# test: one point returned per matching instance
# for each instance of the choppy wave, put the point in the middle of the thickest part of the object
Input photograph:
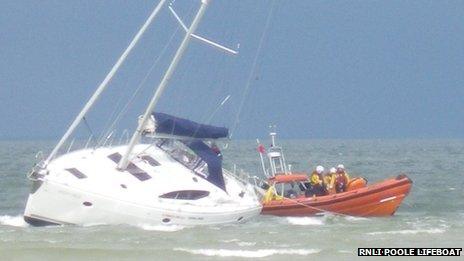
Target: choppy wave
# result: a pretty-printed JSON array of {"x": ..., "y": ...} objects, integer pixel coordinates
[
  {"x": 409, "y": 231},
  {"x": 163, "y": 228},
  {"x": 345, "y": 251},
  {"x": 94, "y": 224},
  {"x": 249, "y": 253},
  {"x": 14, "y": 221},
  {"x": 244, "y": 243},
  {"x": 351, "y": 218},
  {"x": 230, "y": 240},
  {"x": 18, "y": 221},
  {"x": 238, "y": 242},
  {"x": 305, "y": 221}
]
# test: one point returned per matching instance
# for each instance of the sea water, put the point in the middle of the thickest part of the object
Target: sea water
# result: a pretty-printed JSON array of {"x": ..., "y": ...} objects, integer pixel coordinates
[{"x": 431, "y": 216}]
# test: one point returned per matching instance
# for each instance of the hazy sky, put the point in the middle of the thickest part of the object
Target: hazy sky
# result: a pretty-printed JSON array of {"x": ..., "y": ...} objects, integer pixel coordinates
[{"x": 327, "y": 69}]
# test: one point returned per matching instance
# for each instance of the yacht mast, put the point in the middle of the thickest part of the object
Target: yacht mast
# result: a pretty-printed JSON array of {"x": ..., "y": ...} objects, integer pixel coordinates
[
  {"x": 104, "y": 83},
  {"x": 162, "y": 85}
]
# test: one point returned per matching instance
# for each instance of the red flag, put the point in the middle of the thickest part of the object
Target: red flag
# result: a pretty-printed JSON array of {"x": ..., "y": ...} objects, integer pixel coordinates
[{"x": 261, "y": 148}]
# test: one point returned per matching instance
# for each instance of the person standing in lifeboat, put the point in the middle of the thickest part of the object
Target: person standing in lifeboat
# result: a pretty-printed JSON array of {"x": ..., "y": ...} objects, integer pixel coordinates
[
  {"x": 316, "y": 183},
  {"x": 342, "y": 179},
  {"x": 329, "y": 180}
]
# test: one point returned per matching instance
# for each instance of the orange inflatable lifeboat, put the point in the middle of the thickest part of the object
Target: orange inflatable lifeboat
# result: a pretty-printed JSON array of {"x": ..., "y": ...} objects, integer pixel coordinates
[
  {"x": 285, "y": 191},
  {"x": 359, "y": 199}
]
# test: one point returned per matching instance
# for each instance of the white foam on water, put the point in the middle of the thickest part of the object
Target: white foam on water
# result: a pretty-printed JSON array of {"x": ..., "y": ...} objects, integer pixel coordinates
[
  {"x": 351, "y": 218},
  {"x": 14, "y": 221},
  {"x": 305, "y": 221},
  {"x": 244, "y": 243},
  {"x": 238, "y": 242},
  {"x": 249, "y": 253},
  {"x": 93, "y": 224},
  {"x": 345, "y": 251},
  {"x": 409, "y": 231},
  {"x": 163, "y": 228},
  {"x": 230, "y": 240},
  {"x": 215, "y": 228}
]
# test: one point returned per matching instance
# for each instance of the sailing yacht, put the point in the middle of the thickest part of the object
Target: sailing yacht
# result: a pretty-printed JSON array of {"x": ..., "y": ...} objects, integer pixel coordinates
[{"x": 170, "y": 172}]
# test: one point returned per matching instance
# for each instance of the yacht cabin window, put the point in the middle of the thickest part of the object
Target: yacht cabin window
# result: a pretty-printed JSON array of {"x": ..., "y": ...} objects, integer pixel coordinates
[{"x": 186, "y": 194}]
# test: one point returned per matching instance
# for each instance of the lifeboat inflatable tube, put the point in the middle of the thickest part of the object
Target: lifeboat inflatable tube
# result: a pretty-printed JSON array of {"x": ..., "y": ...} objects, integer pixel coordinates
[{"x": 283, "y": 178}]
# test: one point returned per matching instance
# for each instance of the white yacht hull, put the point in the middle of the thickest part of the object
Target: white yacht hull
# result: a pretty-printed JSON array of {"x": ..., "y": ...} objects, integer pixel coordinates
[
  {"x": 115, "y": 197},
  {"x": 55, "y": 204}
]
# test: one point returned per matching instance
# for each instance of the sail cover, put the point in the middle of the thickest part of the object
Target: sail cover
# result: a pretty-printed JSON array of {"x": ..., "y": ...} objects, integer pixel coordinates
[
  {"x": 168, "y": 124},
  {"x": 212, "y": 158}
]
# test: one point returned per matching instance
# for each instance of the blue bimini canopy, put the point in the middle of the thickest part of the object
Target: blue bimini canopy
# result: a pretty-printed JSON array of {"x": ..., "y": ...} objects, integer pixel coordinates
[
  {"x": 168, "y": 124},
  {"x": 212, "y": 158}
]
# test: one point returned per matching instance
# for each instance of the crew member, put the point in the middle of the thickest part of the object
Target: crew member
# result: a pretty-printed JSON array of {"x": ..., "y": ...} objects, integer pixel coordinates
[
  {"x": 316, "y": 183},
  {"x": 271, "y": 194},
  {"x": 329, "y": 180},
  {"x": 342, "y": 179}
]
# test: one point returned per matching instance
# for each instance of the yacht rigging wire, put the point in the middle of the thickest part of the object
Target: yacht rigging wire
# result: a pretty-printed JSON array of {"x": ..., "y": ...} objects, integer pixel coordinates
[
  {"x": 213, "y": 80},
  {"x": 162, "y": 85},
  {"x": 103, "y": 84},
  {"x": 139, "y": 88},
  {"x": 253, "y": 69},
  {"x": 111, "y": 127},
  {"x": 87, "y": 125},
  {"x": 208, "y": 121}
]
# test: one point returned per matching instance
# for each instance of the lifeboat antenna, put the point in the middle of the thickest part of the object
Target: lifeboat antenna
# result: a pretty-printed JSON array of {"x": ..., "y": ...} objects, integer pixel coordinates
[
  {"x": 276, "y": 156},
  {"x": 273, "y": 134}
]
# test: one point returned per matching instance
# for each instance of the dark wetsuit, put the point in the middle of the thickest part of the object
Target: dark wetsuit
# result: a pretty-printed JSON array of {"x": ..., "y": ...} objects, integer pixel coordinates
[{"x": 316, "y": 186}]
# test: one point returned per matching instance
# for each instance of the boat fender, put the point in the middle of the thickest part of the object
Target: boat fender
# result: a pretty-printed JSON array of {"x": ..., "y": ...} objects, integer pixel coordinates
[{"x": 356, "y": 183}]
